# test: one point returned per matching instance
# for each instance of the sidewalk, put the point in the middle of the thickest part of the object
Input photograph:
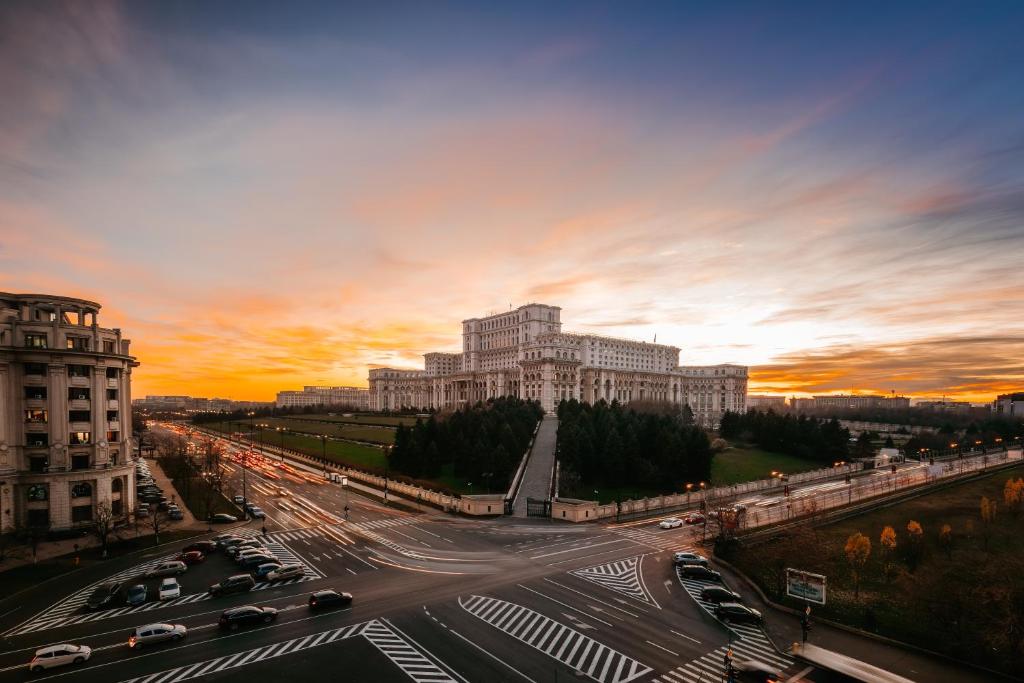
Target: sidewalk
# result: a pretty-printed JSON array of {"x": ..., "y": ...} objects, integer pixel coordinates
[
  {"x": 537, "y": 477},
  {"x": 784, "y": 630}
]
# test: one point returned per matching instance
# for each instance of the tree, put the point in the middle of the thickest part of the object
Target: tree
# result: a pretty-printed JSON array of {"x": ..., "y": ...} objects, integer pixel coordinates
[
  {"x": 988, "y": 518},
  {"x": 857, "y": 550},
  {"x": 946, "y": 540},
  {"x": 103, "y": 525},
  {"x": 888, "y": 543},
  {"x": 158, "y": 520},
  {"x": 1013, "y": 495},
  {"x": 915, "y": 544}
]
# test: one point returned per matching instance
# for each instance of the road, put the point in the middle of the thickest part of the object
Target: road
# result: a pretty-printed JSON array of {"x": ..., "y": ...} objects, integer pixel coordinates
[{"x": 436, "y": 598}]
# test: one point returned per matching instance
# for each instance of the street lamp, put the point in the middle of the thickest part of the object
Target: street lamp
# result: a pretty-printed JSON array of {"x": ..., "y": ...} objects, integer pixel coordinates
[
  {"x": 280, "y": 430},
  {"x": 323, "y": 445}
]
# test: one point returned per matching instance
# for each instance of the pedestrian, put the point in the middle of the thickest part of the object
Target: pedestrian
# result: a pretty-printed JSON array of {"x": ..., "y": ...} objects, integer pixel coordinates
[{"x": 264, "y": 529}]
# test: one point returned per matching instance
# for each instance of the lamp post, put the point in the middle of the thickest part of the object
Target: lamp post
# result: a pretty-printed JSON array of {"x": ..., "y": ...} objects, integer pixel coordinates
[
  {"x": 323, "y": 445},
  {"x": 344, "y": 487},
  {"x": 387, "y": 459},
  {"x": 280, "y": 430}
]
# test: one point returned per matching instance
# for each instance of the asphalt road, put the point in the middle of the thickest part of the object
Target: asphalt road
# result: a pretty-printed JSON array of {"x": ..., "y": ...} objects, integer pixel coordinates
[{"x": 436, "y": 598}]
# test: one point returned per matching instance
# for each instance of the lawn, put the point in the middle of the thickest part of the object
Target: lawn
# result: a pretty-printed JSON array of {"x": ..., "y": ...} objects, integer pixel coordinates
[
  {"x": 740, "y": 463},
  {"x": 351, "y": 454},
  {"x": 310, "y": 425},
  {"x": 385, "y": 420},
  {"x": 961, "y": 593}
]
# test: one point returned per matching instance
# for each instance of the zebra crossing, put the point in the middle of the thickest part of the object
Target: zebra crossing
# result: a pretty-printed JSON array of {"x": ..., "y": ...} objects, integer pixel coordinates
[
  {"x": 694, "y": 588},
  {"x": 657, "y": 540},
  {"x": 563, "y": 643},
  {"x": 621, "y": 576},
  {"x": 64, "y": 613},
  {"x": 409, "y": 658}
]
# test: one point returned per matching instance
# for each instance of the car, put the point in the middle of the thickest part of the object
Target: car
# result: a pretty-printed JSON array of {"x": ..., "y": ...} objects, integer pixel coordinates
[
  {"x": 239, "y": 583},
  {"x": 150, "y": 634},
  {"x": 59, "y": 655},
  {"x": 221, "y": 518},
  {"x": 252, "y": 552},
  {"x": 695, "y": 518},
  {"x": 246, "y": 544},
  {"x": 175, "y": 514},
  {"x": 256, "y": 560},
  {"x": 205, "y": 547},
  {"x": 171, "y": 507},
  {"x": 170, "y": 568},
  {"x": 192, "y": 557},
  {"x": 220, "y": 537},
  {"x": 260, "y": 573},
  {"x": 328, "y": 598},
  {"x": 142, "y": 512},
  {"x": 231, "y": 541},
  {"x": 670, "y": 523},
  {"x": 246, "y": 615},
  {"x": 752, "y": 671},
  {"x": 289, "y": 571},
  {"x": 257, "y": 512},
  {"x": 103, "y": 595},
  {"x": 696, "y": 571},
  {"x": 684, "y": 557},
  {"x": 239, "y": 500},
  {"x": 137, "y": 594},
  {"x": 719, "y": 594},
  {"x": 734, "y": 611},
  {"x": 170, "y": 589}
]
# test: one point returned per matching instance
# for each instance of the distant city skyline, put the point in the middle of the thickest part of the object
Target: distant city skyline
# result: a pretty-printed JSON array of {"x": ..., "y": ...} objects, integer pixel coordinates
[{"x": 279, "y": 197}]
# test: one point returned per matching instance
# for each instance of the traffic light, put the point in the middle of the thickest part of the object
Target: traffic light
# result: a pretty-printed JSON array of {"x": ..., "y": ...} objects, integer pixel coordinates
[{"x": 805, "y": 626}]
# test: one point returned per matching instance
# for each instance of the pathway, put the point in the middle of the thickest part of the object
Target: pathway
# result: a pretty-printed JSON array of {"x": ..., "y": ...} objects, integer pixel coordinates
[{"x": 537, "y": 477}]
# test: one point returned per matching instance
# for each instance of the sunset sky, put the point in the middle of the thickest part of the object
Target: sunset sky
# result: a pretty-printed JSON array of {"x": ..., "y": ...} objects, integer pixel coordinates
[{"x": 270, "y": 195}]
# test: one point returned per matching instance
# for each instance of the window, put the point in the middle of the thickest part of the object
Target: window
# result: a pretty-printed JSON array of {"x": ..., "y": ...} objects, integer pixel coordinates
[
  {"x": 78, "y": 371},
  {"x": 81, "y": 489},
  {"x": 37, "y": 464},
  {"x": 35, "y": 393},
  {"x": 79, "y": 416},
  {"x": 36, "y": 492},
  {"x": 116, "y": 486},
  {"x": 116, "y": 507},
  {"x": 39, "y": 518},
  {"x": 35, "y": 415},
  {"x": 37, "y": 440},
  {"x": 108, "y": 347},
  {"x": 112, "y": 373},
  {"x": 111, "y": 416},
  {"x": 78, "y": 394},
  {"x": 113, "y": 437},
  {"x": 35, "y": 341},
  {"x": 78, "y": 343},
  {"x": 80, "y": 438},
  {"x": 111, "y": 394},
  {"x": 81, "y": 513},
  {"x": 35, "y": 368},
  {"x": 80, "y": 461}
]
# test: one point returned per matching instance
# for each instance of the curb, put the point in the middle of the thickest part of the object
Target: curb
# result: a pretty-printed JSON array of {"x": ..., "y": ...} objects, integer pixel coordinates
[{"x": 856, "y": 631}]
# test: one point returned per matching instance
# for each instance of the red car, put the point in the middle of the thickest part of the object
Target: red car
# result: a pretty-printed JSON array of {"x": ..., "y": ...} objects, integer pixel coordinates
[
  {"x": 192, "y": 557},
  {"x": 694, "y": 518}
]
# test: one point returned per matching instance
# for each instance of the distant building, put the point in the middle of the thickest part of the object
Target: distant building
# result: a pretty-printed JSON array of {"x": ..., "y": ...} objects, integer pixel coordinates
[
  {"x": 955, "y": 407},
  {"x": 524, "y": 353},
  {"x": 356, "y": 397},
  {"x": 1009, "y": 405},
  {"x": 765, "y": 402},
  {"x": 848, "y": 401},
  {"x": 189, "y": 404}
]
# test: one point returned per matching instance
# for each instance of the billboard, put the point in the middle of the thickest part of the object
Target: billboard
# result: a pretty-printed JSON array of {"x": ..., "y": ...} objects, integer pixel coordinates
[{"x": 805, "y": 586}]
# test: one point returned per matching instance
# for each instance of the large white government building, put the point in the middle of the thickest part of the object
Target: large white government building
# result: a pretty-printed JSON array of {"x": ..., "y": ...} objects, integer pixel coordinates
[
  {"x": 524, "y": 353},
  {"x": 65, "y": 414}
]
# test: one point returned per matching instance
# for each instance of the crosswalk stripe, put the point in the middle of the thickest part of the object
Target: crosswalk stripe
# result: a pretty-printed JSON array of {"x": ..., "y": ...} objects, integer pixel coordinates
[{"x": 622, "y": 576}]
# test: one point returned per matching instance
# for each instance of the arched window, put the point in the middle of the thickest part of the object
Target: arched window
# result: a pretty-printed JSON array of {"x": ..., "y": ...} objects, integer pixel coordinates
[
  {"x": 116, "y": 486},
  {"x": 38, "y": 492}
]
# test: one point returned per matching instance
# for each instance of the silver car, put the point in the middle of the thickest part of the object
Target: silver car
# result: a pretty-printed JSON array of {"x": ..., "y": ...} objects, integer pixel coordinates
[{"x": 155, "y": 633}]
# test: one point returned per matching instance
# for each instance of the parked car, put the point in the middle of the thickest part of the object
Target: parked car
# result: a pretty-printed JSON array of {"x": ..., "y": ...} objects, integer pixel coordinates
[
  {"x": 239, "y": 583},
  {"x": 192, "y": 557},
  {"x": 694, "y": 518},
  {"x": 683, "y": 557},
  {"x": 59, "y": 655},
  {"x": 257, "y": 512},
  {"x": 141, "y": 512},
  {"x": 243, "y": 553},
  {"x": 734, "y": 611},
  {"x": 170, "y": 568},
  {"x": 246, "y": 544},
  {"x": 246, "y": 615},
  {"x": 719, "y": 594},
  {"x": 250, "y": 561},
  {"x": 328, "y": 598},
  {"x": 216, "y": 539},
  {"x": 670, "y": 523},
  {"x": 289, "y": 571},
  {"x": 239, "y": 500},
  {"x": 170, "y": 589},
  {"x": 696, "y": 571},
  {"x": 221, "y": 518},
  {"x": 137, "y": 594},
  {"x": 175, "y": 514},
  {"x": 230, "y": 541},
  {"x": 260, "y": 573},
  {"x": 151, "y": 634},
  {"x": 104, "y": 595}
]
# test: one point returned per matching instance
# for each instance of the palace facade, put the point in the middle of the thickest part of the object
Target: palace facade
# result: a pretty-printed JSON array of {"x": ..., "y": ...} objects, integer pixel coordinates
[{"x": 525, "y": 353}]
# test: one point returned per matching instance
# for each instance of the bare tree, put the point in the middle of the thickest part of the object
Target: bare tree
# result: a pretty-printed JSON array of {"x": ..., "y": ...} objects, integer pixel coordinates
[
  {"x": 103, "y": 525},
  {"x": 31, "y": 535},
  {"x": 158, "y": 520}
]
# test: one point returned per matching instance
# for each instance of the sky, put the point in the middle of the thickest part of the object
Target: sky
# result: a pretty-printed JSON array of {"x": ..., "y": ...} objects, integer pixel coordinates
[{"x": 269, "y": 195}]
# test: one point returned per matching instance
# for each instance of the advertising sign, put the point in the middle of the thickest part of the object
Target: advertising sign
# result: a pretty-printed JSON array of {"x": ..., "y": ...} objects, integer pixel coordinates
[{"x": 805, "y": 586}]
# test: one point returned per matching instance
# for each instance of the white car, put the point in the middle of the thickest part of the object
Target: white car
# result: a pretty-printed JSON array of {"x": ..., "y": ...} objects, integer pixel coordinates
[
  {"x": 170, "y": 589},
  {"x": 59, "y": 655},
  {"x": 291, "y": 571},
  {"x": 670, "y": 523}
]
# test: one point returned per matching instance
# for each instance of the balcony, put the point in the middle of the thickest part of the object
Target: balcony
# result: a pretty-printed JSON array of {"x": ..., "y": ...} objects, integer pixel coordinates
[
  {"x": 77, "y": 381},
  {"x": 112, "y": 383},
  {"x": 80, "y": 426},
  {"x": 80, "y": 404},
  {"x": 113, "y": 405}
]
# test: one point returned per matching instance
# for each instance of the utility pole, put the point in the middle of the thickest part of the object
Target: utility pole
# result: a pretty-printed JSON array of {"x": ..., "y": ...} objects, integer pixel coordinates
[{"x": 805, "y": 623}]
